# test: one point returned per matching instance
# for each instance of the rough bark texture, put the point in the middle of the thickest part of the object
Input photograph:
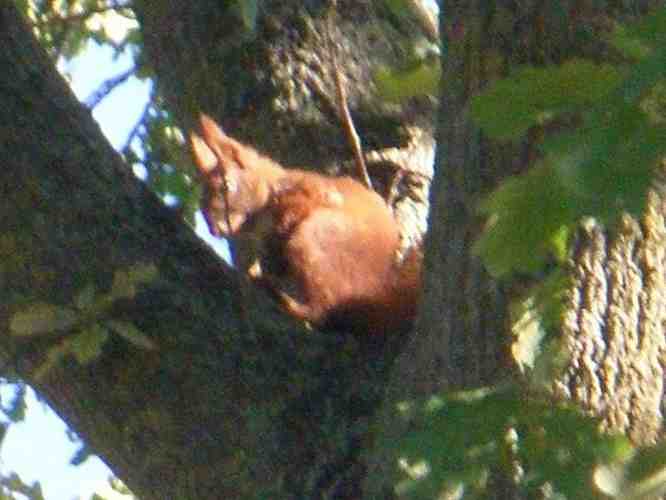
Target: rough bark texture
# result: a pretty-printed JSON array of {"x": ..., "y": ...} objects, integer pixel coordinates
[
  {"x": 220, "y": 412},
  {"x": 73, "y": 216},
  {"x": 215, "y": 411},
  {"x": 613, "y": 328},
  {"x": 460, "y": 335},
  {"x": 613, "y": 322},
  {"x": 274, "y": 88}
]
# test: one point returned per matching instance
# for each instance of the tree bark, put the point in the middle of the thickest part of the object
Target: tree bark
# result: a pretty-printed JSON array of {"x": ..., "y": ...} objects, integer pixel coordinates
[
  {"x": 611, "y": 327},
  {"x": 214, "y": 410},
  {"x": 73, "y": 216},
  {"x": 274, "y": 87}
]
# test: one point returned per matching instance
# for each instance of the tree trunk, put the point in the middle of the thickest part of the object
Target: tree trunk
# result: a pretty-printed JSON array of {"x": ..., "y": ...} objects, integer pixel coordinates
[{"x": 612, "y": 326}]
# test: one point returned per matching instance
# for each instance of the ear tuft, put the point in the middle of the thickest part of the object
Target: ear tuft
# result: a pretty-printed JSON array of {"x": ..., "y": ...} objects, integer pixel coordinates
[
  {"x": 204, "y": 157},
  {"x": 210, "y": 130},
  {"x": 224, "y": 147}
]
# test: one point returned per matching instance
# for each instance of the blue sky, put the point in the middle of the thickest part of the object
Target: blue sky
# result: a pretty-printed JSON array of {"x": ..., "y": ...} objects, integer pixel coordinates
[{"x": 39, "y": 449}]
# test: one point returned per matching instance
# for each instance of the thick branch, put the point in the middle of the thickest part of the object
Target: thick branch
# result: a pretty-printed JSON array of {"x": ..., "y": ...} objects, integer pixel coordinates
[{"x": 209, "y": 413}]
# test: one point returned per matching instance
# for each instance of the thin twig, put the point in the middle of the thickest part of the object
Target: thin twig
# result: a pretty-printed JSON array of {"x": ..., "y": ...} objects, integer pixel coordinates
[
  {"x": 107, "y": 87},
  {"x": 135, "y": 130},
  {"x": 345, "y": 115},
  {"x": 348, "y": 125}
]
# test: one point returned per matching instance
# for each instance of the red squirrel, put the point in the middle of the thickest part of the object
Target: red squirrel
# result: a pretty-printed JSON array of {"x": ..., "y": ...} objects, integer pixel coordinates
[{"x": 326, "y": 247}]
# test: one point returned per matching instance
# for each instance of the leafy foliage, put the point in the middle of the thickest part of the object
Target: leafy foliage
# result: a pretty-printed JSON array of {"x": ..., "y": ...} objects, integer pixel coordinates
[
  {"x": 163, "y": 147},
  {"x": 413, "y": 80},
  {"x": 532, "y": 96},
  {"x": 601, "y": 169},
  {"x": 535, "y": 320},
  {"x": 459, "y": 439},
  {"x": 66, "y": 28},
  {"x": 15, "y": 409},
  {"x": 248, "y": 13},
  {"x": 86, "y": 325},
  {"x": 40, "y": 318},
  {"x": 12, "y": 487},
  {"x": 511, "y": 242},
  {"x": 419, "y": 72}
]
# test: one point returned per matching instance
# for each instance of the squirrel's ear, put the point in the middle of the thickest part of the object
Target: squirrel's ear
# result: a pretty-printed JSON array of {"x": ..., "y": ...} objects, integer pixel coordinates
[
  {"x": 229, "y": 151},
  {"x": 204, "y": 157},
  {"x": 213, "y": 147},
  {"x": 211, "y": 131}
]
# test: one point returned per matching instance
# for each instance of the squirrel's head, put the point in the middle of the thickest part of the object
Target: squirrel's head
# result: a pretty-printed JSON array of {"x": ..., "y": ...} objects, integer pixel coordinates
[{"x": 237, "y": 181}]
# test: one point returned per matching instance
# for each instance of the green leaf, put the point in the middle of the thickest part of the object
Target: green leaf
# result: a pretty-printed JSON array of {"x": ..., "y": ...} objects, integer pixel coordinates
[
  {"x": 528, "y": 333},
  {"x": 125, "y": 282},
  {"x": 41, "y": 318},
  {"x": 651, "y": 30},
  {"x": 601, "y": 169},
  {"x": 398, "y": 7},
  {"x": 628, "y": 43},
  {"x": 22, "y": 6},
  {"x": 647, "y": 462},
  {"x": 439, "y": 456},
  {"x": 87, "y": 345},
  {"x": 15, "y": 484},
  {"x": 53, "y": 356},
  {"x": 610, "y": 480},
  {"x": 171, "y": 182},
  {"x": 608, "y": 165},
  {"x": 17, "y": 407},
  {"x": 143, "y": 274},
  {"x": 653, "y": 486},
  {"x": 616, "y": 481},
  {"x": 248, "y": 10},
  {"x": 85, "y": 298},
  {"x": 454, "y": 444},
  {"x": 532, "y": 96},
  {"x": 422, "y": 79},
  {"x": 527, "y": 216},
  {"x": 131, "y": 333}
]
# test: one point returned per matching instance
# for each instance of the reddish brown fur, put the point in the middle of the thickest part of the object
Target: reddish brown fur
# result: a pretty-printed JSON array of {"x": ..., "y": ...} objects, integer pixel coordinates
[{"x": 326, "y": 245}]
